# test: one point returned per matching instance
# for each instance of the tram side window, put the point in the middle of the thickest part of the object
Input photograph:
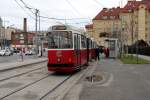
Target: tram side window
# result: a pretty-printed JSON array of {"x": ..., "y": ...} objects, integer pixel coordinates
[
  {"x": 90, "y": 44},
  {"x": 66, "y": 40},
  {"x": 75, "y": 41},
  {"x": 78, "y": 41}
]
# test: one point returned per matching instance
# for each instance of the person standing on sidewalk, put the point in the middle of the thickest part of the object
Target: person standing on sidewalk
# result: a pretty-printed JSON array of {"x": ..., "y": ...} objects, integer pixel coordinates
[
  {"x": 21, "y": 55},
  {"x": 97, "y": 51},
  {"x": 107, "y": 52}
]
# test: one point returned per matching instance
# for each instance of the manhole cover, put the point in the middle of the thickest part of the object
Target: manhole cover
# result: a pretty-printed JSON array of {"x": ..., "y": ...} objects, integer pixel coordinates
[{"x": 94, "y": 78}]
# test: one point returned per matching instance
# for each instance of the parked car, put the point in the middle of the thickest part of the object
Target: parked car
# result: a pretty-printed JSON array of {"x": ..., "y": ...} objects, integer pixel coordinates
[
  {"x": 16, "y": 51},
  {"x": 5, "y": 52},
  {"x": 29, "y": 52}
]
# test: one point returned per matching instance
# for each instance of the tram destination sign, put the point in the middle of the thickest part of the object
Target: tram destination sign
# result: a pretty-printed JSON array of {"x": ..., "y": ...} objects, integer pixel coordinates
[{"x": 59, "y": 27}]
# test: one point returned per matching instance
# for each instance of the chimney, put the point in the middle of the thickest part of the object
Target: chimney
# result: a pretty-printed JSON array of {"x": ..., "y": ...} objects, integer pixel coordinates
[{"x": 25, "y": 25}]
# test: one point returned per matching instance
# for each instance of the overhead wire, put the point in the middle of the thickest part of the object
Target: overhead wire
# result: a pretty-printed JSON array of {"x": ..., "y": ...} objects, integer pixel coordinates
[
  {"x": 29, "y": 8},
  {"x": 52, "y": 18},
  {"x": 73, "y": 7},
  {"x": 63, "y": 18},
  {"x": 99, "y": 3},
  {"x": 24, "y": 9}
]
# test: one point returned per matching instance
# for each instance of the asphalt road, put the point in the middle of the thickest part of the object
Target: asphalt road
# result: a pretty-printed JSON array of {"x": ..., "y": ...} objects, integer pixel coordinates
[
  {"x": 120, "y": 82},
  {"x": 17, "y": 57}
]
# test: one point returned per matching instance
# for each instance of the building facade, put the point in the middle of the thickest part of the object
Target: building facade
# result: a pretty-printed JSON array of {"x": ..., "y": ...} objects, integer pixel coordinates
[
  {"x": 128, "y": 24},
  {"x": 22, "y": 40},
  {"x": 1, "y": 22},
  {"x": 89, "y": 29}
]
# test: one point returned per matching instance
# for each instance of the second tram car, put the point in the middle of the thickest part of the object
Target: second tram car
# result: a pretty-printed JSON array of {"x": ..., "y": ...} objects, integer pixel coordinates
[{"x": 68, "y": 49}]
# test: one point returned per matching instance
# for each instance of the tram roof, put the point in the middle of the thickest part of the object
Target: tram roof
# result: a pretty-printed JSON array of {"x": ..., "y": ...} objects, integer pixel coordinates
[{"x": 65, "y": 27}]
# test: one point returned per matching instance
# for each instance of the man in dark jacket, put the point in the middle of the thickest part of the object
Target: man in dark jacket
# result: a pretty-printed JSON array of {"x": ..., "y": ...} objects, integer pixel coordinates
[{"x": 97, "y": 51}]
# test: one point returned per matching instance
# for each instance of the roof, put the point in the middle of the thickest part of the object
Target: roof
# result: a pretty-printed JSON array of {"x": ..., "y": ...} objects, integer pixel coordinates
[
  {"x": 131, "y": 5},
  {"x": 90, "y": 26},
  {"x": 108, "y": 12},
  {"x": 134, "y": 5}
]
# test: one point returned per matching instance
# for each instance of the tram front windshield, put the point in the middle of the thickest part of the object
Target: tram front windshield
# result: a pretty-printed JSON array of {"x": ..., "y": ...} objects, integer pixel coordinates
[{"x": 60, "y": 40}]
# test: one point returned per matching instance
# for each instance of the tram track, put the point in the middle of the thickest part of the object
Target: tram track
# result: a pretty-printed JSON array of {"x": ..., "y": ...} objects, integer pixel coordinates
[
  {"x": 35, "y": 83},
  {"x": 42, "y": 88},
  {"x": 6, "y": 97},
  {"x": 19, "y": 74},
  {"x": 51, "y": 86},
  {"x": 1, "y": 98},
  {"x": 20, "y": 66},
  {"x": 6, "y": 75},
  {"x": 52, "y": 90}
]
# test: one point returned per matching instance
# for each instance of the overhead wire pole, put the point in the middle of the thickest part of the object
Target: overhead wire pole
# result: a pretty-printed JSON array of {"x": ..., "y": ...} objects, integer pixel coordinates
[
  {"x": 36, "y": 26},
  {"x": 36, "y": 33},
  {"x": 41, "y": 36}
]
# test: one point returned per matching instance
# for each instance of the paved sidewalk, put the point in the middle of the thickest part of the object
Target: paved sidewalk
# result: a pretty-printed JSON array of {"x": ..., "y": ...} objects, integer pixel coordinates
[
  {"x": 11, "y": 65},
  {"x": 120, "y": 82}
]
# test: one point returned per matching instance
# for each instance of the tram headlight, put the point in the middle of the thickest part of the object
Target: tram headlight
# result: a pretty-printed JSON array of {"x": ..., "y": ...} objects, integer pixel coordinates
[
  {"x": 58, "y": 59},
  {"x": 48, "y": 59},
  {"x": 70, "y": 60}
]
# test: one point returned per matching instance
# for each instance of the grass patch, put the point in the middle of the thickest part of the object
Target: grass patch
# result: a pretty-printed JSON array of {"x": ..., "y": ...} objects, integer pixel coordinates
[{"x": 129, "y": 59}]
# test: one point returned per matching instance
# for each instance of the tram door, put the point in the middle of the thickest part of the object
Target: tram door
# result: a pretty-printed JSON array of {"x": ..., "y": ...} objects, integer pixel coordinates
[
  {"x": 77, "y": 48},
  {"x": 87, "y": 50}
]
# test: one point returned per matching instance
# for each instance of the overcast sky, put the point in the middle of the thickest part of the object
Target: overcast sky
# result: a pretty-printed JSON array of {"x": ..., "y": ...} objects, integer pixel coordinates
[{"x": 13, "y": 14}]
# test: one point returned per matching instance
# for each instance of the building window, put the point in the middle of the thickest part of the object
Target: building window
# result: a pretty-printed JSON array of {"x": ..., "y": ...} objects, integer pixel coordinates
[
  {"x": 30, "y": 42},
  {"x": 21, "y": 41},
  {"x": 146, "y": 29},
  {"x": 21, "y": 36},
  {"x": 17, "y": 36},
  {"x": 103, "y": 34},
  {"x": 112, "y": 17},
  {"x": 146, "y": 22},
  {"x": 104, "y": 17}
]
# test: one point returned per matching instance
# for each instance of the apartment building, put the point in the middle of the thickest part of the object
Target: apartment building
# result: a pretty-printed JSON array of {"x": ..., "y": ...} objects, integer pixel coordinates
[
  {"x": 89, "y": 29},
  {"x": 128, "y": 24},
  {"x": 106, "y": 24}
]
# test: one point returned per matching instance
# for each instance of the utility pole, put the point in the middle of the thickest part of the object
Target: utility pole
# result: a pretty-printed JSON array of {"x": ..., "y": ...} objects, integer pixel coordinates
[
  {"x": 36, "y": 27},
  {"x": 36, "y": 33},
  {"x": 41, "y": 38}
]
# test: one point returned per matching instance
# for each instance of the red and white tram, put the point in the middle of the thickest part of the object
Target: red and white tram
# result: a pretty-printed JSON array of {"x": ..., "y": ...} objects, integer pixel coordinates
[{"x": 68, "y": 49}]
